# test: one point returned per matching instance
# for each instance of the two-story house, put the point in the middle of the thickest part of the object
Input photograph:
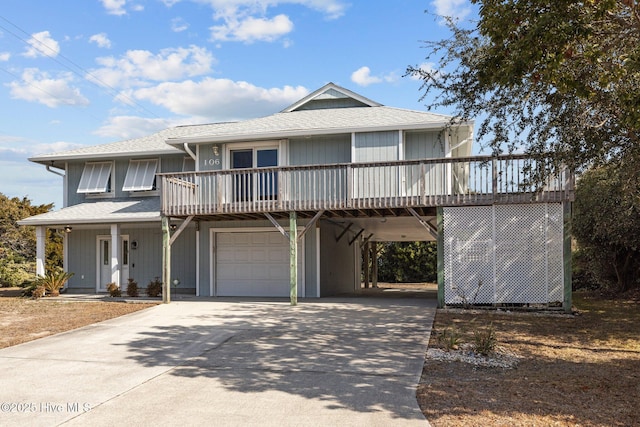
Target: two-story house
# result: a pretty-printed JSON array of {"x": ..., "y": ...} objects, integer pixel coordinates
[{"x": 261, "y": 206}]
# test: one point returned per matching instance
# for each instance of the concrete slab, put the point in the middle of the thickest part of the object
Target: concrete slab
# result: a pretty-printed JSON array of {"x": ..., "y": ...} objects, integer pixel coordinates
[{"x": 349, "y": 362}]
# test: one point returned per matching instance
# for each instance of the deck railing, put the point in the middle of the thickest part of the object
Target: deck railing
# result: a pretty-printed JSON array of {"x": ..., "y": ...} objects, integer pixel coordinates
[{"x": 358, "y": 186}]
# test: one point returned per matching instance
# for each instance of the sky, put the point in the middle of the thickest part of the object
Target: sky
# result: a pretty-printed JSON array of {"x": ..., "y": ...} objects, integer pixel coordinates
[{"x": 76, "y": 73}]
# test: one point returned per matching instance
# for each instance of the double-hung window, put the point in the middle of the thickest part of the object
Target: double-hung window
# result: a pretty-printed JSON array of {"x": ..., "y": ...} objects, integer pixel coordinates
[
  {"x": 96, "y": 178},
  {"x": 141, "y": 175}
]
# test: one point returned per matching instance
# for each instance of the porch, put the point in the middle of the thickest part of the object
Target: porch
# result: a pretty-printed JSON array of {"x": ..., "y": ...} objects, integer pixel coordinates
[{"x": 362, "y": 189}]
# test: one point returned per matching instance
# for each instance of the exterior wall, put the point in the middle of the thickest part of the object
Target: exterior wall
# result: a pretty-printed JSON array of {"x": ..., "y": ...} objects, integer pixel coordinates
[
  {"x": 423, "y": 145},
  {"x": 145, "y": 262},
  {"x": 205, "y": 266},
  {"x": 320, "y": 150},
  {"x": 504, "y": 254},
  {"x": 337, "y": 261},
  {"x": 376, "y": 146}
]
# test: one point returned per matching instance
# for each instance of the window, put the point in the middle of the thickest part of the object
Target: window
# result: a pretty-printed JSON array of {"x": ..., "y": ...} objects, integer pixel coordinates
[
  {"x": 141, "y": 175},
  {"x": 188, "y": 165},
  {"x": 96, "y": 178}
]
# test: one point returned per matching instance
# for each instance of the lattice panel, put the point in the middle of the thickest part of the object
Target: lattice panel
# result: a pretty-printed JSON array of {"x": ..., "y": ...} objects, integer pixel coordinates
[
  {"x": 468, "y": 255},
  {"x": 503, "y": 254}
]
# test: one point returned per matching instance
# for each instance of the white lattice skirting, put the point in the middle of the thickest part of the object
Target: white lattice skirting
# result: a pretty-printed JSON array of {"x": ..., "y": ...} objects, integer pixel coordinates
[{"x": 503, "y": 254}]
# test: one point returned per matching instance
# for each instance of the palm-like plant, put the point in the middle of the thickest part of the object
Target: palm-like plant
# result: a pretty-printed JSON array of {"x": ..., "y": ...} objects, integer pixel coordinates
[{"x": 53, "y": 281}]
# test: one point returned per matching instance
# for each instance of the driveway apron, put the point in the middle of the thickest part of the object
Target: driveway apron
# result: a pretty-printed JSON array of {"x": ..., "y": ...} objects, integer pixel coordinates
[{"x": 227, "y": 362}]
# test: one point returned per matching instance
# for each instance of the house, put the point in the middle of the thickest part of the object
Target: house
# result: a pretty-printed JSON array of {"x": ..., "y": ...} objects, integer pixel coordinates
[{"x": 283, "y": 205}]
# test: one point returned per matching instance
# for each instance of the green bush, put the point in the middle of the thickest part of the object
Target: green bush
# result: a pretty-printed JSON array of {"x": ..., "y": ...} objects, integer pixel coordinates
[
  {"x": 154, "y": 288},
  {"x": 53, "y": 281},
  {"x": 484, "y": 340},
  {"x": 449, "y": 339}
]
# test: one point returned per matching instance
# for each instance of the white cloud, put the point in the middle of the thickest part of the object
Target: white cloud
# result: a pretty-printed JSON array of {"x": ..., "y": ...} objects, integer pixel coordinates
[
  {"x": 362, "y": 77},
  {"x": 138, "y": 67},
  {"x": 115, "y": 7},
  {"x": 428, "y": 67},
  {"x": 38, "y": 86},
  {"x": 42, "y": 44},
  {"x": 54, "y": 147},
  {"x": 178, "y": 25},
  {"x": 458, "y": 9},
  {"x": 252, "y": 29},
  {"x": 220, "y": 99},
  {"x": 5, "y": 56},
  {"x": 127, "y": 127},
  {"x": 101, "y": 40}
]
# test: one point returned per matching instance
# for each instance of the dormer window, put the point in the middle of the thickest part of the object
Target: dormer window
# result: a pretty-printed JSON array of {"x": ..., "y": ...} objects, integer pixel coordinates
[
  {"x": 141, "y": 175},
  {"x": 96, "y": 178}
]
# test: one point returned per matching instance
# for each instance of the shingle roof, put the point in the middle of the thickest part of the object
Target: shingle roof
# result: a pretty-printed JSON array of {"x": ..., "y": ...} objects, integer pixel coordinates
[
  {"x": 321, "y": 121},
  {"x": 101, "y": 212},
  {"x": 146, "y": 145}
]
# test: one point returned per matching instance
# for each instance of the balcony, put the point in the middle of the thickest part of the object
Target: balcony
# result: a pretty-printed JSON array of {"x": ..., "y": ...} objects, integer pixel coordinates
[{"x": 361, "y": 189}]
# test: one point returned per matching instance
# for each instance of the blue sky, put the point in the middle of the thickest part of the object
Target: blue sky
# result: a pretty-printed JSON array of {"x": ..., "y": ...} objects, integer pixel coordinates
[{"x": 88, "y": 72}]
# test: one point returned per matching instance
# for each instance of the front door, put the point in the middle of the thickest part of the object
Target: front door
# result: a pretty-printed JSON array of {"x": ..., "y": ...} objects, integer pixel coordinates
[{"x": 104, "y": 262}]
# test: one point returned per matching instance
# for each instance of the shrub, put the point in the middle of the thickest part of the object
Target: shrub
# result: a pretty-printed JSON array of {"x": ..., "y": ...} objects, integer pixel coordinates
[
  {"x": 114, "y": 290},
  {"x": 485, "y": 341},
  {"x": 449, "y": 339},
  {"x": 38, "y": 292},
  {"x": 154, "y": 288},
  {"x": 132, "y": 288},
  {"x": 53, "y": 281}
]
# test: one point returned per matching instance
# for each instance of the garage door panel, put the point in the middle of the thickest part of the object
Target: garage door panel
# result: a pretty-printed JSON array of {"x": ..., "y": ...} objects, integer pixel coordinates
[{"x": 253, "y": 264}]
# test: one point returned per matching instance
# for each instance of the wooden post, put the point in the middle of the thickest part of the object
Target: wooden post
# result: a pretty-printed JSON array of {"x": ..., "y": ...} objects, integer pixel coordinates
[
  {"x": 166, "y": 261},
  {"x": 566, "y": 255},
  {"x": 41, "y": 244},
  {"x": 366, "y": 265},
  {"x": 374, "y": 264},
  {"x": 293, "y": 257}
]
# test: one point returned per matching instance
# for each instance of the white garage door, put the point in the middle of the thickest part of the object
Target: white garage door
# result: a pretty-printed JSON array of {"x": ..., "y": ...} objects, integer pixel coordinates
[{"x": 254, "y": 264}]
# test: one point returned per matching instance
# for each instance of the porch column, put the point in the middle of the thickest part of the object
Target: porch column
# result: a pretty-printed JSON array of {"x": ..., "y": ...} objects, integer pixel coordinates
[
  {"x": 115, "y": 254},
  {"x": 166, "y": 261},
  {"x": 41, "y": 242},
  {"x": 374, "y": 264},
  {"x": 293, "y": 257},
  {"x": 366, "y": 254}
]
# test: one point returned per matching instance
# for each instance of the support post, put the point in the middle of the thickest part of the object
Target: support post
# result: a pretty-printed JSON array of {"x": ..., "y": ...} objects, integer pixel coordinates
[
  {"x": 293, "y": 257},
  {"x": 374, "y": 264},
  {"x": 41, "y": 242},
  {"x": 366, "y": 254},
  {"x": 116, "y": 265},
  {"x": 440, "y": 255},
  {"x": 566, "y": 255},
  {"x": 166, "y": 261}
]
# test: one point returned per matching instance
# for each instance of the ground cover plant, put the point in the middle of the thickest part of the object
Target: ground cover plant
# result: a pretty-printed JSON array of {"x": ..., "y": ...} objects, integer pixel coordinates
[{"x": 581, "y": 369}]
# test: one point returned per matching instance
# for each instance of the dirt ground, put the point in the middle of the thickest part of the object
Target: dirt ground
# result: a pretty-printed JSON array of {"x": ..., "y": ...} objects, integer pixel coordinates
[
  {"x": 573, "y": 370},
  {"x": 23, "y": 320}
]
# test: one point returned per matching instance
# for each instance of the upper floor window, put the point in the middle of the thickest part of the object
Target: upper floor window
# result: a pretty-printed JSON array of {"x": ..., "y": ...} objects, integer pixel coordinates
[
  {"x": 96, "y": 178},
  {"x": 188, "y": 165},
  {"x": 141, "y": 175}
]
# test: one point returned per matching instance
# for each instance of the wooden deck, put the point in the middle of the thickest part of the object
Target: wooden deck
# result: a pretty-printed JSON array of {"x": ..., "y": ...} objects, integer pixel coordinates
[{"x": 361, "y": 189}]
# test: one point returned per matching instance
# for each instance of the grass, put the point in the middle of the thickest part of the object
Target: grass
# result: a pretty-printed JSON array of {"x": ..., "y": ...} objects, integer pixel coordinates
[
  {"x": 23, "y": 320},
  {"x": 581, "y": 369}
]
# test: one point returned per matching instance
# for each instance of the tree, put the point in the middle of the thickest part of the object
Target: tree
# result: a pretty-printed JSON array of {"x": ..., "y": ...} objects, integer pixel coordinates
[
  {"x": 606, "y": 225},
  {"x": 18, "y": 244},
  {"x": 408, "y": 262},
  {"x": 556, "y": 78}
]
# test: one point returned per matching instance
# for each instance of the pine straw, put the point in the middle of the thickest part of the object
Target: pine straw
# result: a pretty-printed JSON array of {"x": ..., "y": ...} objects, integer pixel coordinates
[
  {"x": 23, "y": 320},
  {"x": 581, "y": 369}
]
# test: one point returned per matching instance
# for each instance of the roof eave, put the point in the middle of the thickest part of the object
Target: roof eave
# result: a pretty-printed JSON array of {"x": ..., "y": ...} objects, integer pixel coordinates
[
  {"x": 46, "y": 160},
  {"x": 91, "y": 221}
]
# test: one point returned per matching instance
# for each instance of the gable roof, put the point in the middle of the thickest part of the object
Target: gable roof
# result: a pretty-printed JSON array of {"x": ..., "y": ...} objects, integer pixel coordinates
[{"x": 330, "y": 91}]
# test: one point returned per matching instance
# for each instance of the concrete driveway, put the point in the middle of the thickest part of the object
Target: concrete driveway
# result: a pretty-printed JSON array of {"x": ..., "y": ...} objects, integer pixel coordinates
[{"x": 346, "y": 362}]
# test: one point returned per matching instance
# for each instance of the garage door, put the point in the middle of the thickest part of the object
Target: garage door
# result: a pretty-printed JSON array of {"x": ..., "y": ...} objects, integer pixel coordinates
[{"x": 254, "y": 264}]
